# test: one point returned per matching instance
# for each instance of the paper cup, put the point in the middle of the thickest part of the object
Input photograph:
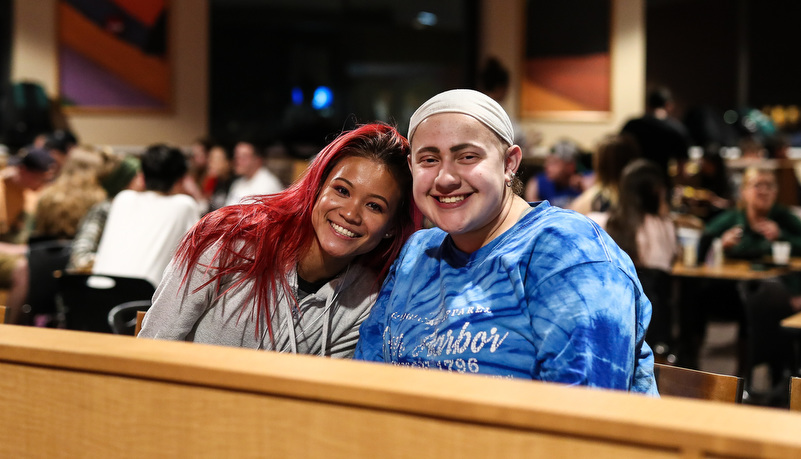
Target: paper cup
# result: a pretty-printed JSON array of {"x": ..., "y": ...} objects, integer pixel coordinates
[
  {"x": 781, "y": 252},
  {"x": 689, "y": 239}
]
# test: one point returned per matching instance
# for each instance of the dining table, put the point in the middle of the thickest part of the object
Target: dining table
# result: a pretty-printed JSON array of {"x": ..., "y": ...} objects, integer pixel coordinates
[
  {"x": 724, "y": 280},
  {"x": 737, "y": 270}
]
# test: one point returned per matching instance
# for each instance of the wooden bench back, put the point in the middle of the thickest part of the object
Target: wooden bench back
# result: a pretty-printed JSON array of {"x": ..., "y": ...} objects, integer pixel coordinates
[{"x": 79, "y": 394}]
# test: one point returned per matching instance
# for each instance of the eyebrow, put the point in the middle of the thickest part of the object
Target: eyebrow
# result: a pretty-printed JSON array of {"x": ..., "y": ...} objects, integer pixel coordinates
[
  {"x": 453, "y": 149},
  {"x": 376, "y": 196}
]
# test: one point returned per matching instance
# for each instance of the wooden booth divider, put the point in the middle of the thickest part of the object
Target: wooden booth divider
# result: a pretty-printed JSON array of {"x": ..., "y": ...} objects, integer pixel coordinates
[{"x": 79, "y": 394}]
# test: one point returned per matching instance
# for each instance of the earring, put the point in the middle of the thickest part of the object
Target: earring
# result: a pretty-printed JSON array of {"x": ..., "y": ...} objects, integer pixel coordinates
[
  {"x": 508, "y": 184},
  {"x": 387, "y": 235}
]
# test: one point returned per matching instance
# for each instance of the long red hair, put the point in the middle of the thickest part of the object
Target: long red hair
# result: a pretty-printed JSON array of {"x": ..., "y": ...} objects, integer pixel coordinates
[{"x": 264, "y": 240}]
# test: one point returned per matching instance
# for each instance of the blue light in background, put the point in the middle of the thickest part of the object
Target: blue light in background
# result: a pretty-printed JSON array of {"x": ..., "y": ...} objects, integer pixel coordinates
[
  {"x": 323, "y": 97},
  {"x": 297, "y": 96},
  {"x": 424, "y": 18}
]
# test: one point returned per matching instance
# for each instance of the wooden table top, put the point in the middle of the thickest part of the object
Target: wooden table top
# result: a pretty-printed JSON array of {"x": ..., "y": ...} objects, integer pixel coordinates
[
  {"x": 734, "y": 270},
  {"x": 794, "y": 321}
]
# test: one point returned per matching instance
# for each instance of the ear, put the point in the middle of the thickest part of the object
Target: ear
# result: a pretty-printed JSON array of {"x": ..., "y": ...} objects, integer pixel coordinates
[
  {"x": 409, "y": 160},
  {"x": 512, "y": 159}
]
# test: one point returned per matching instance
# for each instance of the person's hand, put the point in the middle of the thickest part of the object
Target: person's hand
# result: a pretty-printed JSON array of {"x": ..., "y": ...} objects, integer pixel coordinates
[
  {"x": 768, "y": 228},
  {"x": 731, "y": 237}
]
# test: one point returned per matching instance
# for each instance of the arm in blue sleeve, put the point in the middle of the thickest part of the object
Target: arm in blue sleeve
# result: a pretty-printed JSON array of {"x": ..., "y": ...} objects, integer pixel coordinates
[
  {"x": 371, "y": 333},
  {"x": 585, "y": 322}
]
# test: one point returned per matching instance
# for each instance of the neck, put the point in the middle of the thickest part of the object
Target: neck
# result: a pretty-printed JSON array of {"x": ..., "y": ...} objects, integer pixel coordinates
[
  {"x": 754, "y": 215},
  {"x": 313, "y": 266}
]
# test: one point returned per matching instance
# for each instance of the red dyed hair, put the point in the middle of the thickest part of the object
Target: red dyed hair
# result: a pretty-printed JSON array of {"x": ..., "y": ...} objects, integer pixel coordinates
[{"x": 265, "y": 240}]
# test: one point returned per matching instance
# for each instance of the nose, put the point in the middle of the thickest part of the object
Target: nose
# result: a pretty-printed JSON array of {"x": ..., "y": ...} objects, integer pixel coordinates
[
  {"x": 351, "y": 212},
  {"x": 447, "y": 178}
]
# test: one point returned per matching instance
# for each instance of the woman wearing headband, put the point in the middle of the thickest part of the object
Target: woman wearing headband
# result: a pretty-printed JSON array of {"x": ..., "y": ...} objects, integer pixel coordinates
[
  {"x": 503, "y": 287},
  {"x": 296, "y": 271}
]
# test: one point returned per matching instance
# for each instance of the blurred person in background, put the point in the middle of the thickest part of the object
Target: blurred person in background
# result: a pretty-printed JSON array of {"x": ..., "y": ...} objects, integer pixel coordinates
[
  {"x": 144, "y": 227},
  {"x": 560, "y": 183},
  {"x": 59, "y": 210},
  {"x": 252, "y": 176},
  {"x": 26, "y": 173},
  {"x": 219, "y": 176},
  {"x": 640, "y": 223},
  {"x": 614, "y": 153},
  {"x": 117, "y": 173},
  {"x": 661, "y": 137},
  {"x": 59, "y": 143}
]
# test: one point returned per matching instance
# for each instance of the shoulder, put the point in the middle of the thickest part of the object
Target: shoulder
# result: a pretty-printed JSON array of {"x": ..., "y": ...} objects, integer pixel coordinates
[
  {"x": 560, "y": 239},
  {"x": 126, "y": 195},
  {"x": 725, "y": 218},
  {"x": 182, "y": 200}
]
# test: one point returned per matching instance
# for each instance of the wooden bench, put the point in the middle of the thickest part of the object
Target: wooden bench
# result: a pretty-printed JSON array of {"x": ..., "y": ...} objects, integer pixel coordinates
[{"x": 68, "y": 393}]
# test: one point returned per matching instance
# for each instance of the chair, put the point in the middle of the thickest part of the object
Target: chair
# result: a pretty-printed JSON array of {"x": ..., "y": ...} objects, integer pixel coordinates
[
  {"x": 124, "y": 318},
  {"x": 44, "y": 258},
  {"x": 766, "y": 303},
  {"x": 795, "y": 393},
  {"x": 685, "y": 382},
  {"x": 140, "y": 317},
  {"x": 88, "y": 298}
]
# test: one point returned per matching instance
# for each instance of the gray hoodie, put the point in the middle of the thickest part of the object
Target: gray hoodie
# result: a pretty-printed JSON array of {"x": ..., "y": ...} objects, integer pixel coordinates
[{"x": 327, "y": 324}]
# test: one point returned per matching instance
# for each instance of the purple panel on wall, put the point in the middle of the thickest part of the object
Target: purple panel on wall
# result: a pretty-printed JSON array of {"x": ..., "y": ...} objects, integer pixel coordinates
[{"x": 83, "y": 83}]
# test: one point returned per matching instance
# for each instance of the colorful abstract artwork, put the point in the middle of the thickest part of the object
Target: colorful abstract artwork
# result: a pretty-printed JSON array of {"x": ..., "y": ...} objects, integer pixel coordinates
[
  {"x": 113, "y": 54},
  {"x": 567, "y": 62}
]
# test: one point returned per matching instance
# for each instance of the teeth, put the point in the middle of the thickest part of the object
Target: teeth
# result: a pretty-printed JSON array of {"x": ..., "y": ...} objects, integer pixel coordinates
[
  {"x": 450, "y": 199},
  {"x": 342, "y": 230}
]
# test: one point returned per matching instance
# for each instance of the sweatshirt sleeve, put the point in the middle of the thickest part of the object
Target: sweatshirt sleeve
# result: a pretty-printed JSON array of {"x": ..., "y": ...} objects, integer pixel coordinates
[
  {"x": 371, "y": 333},
  {"x": 177, "y": 307}
]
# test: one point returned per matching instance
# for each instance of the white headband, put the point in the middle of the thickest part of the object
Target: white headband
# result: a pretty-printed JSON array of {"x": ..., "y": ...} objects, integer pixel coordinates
[{"x": 468, "y": 102}]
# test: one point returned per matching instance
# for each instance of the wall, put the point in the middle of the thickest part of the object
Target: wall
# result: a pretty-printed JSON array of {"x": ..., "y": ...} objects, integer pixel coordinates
[
  {"x": 34, "y": 57},
  {"x": 503, "y": 32}
]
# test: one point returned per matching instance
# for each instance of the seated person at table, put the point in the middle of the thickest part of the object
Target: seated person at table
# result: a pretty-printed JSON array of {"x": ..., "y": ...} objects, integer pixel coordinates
[
  {"x": 501, "y": 287},
  {"x": 560, "y": 183},
  {"x": 640, "y": 223},
  {"x": 144, "y": 228},
  {"x": 748, "y": 231}
]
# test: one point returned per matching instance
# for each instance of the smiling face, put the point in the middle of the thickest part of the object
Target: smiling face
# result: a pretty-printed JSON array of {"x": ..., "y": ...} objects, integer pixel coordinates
[
  {"x": 460, "y": 169},
  {"x": 353, "y": 212}
]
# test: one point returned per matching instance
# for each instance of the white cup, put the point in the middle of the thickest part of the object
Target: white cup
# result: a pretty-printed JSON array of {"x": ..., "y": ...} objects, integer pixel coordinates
[
  {"x": 689, "y": 239},
  {"x": 781, "y": 252}
]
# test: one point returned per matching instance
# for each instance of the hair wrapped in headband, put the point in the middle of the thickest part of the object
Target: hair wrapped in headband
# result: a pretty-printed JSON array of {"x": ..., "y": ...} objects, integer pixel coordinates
[{"x": 468, "y": 102}]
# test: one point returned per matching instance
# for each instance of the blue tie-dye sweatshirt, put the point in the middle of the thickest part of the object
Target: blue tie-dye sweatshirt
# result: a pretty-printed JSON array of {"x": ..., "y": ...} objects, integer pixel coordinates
[{"x": 553, "y": 299}]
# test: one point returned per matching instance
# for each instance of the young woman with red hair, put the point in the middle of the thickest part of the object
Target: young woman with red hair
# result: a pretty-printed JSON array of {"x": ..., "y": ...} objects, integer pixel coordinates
[{"x": 296, "y": 271}]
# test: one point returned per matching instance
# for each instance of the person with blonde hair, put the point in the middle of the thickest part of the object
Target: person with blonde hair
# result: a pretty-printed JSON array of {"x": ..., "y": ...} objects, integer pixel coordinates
[
  {"x": 758, "y": 220},
  {"x": 59, "y": 210}
]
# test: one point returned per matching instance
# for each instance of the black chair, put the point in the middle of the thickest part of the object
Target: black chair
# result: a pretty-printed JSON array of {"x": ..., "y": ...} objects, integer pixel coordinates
[
  {"x": 766, "y": 303},
  {"x": 88, "y": 298},
  {"x": 123, "y": 318},
  {"x": 43, "y": 259}
]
